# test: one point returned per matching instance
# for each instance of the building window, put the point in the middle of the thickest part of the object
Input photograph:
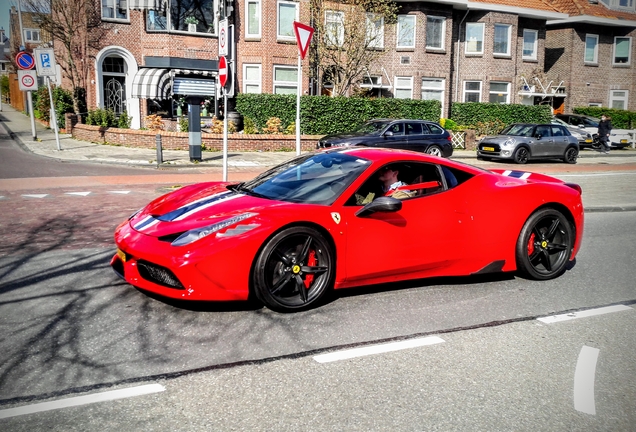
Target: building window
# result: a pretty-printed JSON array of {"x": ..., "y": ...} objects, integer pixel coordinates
[
  {"x": 375, "y": 31},
  {"x": 618, "y": 99},
  {"x": 194, "y": 16},
  {"x": 622, "y": 49},
  {"x": 619, "y": 4},
  {"x": 287, "y": 14},
  {"x": 285, "y": 79},
  {"x": 530, "y": 41},
  {"x": 474, "y": 38},
  {"x": 115, "y": 9},
  {"x": 472, "y": 91},
  {"x": 3, "y": 66},
  {"x": 591, "y": 48},
  {"x": 435, "y": 32},
  {"x": 403, "y": 88},
  {"x": 433, "y": 89},
  {"x": 32, "y": 35},
  {"x": 253, "y": 14},
  {"x": 406, "y": 31},
  {"x": 501, "y": 44},
  {"x": 334, "y": 28},
  {"x": 499, "y": 92},
  {"x": 252, "y": 78}
]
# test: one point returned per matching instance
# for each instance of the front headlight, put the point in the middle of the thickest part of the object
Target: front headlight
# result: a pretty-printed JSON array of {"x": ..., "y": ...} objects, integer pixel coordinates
[
  {"x": 199, "y": 233},
  {"x": 509, "y": 143}
]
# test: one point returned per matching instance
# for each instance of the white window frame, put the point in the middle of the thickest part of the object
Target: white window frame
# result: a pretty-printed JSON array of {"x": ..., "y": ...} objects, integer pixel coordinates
[
  {"x": 465, "y": 92},
  {"x": 431, "y": 20},
  {"x": 535, "y": 47},
  {"x": 402, "y": 80},
  {"x": 277, "y": 84},
  {"x": 616, "y": 4},
  {"x": 334, "y": 28},
  {"x": 246, "y": 81},
  {"x": 476, "y": 25},
  {"x": 508, "y": 28},
  {"x": 290, "y": 36},
  {"x": 401, "y": 22},
  {"x": 624, "y": 99},
  {"x": 629, "y": 51},
  {"x": 113, "y": 4},
  {"x": 259, "y": 15},
  {"x": 375, "y": 41},
  {"x": 591, "y": 37},
  {"x": 441, "y": 90},
  {"x": 28, "y": 35},
  {"x": 506, "y": 93}
]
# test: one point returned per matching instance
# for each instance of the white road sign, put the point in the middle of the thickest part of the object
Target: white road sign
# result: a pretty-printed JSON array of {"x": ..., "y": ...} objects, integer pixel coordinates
[
  {"x": 223, "y": 39},
  {"x": 28, "y": 80},
  {"x": 45, "y": 61}
]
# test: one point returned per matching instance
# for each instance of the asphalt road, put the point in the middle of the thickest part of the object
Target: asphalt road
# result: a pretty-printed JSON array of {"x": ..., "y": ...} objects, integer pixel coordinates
[{"x": 69, "y": 327}]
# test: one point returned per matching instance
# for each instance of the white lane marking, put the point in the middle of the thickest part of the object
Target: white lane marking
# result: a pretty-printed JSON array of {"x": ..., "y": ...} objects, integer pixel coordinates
[
  {"x": 82, "y": 400},
  {"x": 595, "y": 174},
  {"x": 120, "y": 192},
  {"x": 78, "y": 193},
  {"x": 35, "y": 195},
  {"x": 583, "y": 314},
  {"x": 377, "y": 349},
  {"x": 584, "y": 380}
]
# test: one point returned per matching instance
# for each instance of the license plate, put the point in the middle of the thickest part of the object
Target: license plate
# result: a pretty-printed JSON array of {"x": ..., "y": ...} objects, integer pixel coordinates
[
  {"x": 588, "y": 140},
  {"x": 122, "y": 255},
  {"x": 623, "y": 141},
  {"x": 488, "y": 148}
]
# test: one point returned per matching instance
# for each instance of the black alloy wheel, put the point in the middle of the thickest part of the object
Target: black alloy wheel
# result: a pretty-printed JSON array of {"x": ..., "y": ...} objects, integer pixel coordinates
[
  {"x": 521, "y": 155},
  {"x": 571, "y": 155},
  {"x": 544, "y": 245},
  {"x": 294, "y": 270}
]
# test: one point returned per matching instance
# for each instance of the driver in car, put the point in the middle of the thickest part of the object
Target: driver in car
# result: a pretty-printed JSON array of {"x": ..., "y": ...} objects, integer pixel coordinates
[{"x": 390, "y": 182}]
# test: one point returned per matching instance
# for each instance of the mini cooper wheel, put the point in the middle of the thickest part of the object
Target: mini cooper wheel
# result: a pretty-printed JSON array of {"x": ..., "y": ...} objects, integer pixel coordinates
[
  {"x": 571, "y": 155},
  {"x": 434, "y": 151},
  {"x": 294, "y": 270},
  {"x": 521, "y": 155},
  {"x": 544, "y": 245}
]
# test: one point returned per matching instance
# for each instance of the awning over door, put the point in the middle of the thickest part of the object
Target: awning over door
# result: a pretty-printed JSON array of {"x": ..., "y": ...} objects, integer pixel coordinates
[{"x": 150, "y": 83}]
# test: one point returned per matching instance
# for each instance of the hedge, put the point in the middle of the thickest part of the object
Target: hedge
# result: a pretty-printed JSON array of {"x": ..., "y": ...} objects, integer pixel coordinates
[
  {"x": 471, "y": 113},
  {"x": 321, "y": 115},
  {"x": 621, "y": 119}
]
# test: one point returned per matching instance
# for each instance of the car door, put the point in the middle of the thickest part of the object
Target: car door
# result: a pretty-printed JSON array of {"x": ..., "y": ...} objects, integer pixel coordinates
[
  {"x": 560, "y": 140},
  {"x": 543, "y": 143},
  {"x": 393, "y": 137},
  {"x": 415, "y": 136}
]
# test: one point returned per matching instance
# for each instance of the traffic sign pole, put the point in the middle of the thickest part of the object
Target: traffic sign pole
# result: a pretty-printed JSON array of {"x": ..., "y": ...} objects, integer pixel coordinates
[
  {"x": 298, "y": 91},
  {"x": 303, "y": 38},
  {"x": 53, "y": 115}
]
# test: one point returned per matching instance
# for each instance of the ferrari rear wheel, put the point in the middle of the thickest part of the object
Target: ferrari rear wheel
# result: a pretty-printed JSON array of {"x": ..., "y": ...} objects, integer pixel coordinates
[
  {"x": 294, "y": 270},
  {"x": 544, "y": 245},
  {"x": 434, "y": 150},
  {"x": 521, "y": 155}
]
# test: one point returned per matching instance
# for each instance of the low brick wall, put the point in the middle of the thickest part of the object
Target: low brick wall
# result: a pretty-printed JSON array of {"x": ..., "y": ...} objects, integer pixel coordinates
[{"x": 179, "y": 140}]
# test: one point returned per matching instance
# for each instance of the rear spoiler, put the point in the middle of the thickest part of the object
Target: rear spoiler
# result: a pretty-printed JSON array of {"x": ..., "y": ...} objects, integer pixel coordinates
[{"x": 535, "y": 177}]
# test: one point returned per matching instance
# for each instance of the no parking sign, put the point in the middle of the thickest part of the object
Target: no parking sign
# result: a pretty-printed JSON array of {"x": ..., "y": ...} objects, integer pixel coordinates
[{"x": 28, "y": 80}]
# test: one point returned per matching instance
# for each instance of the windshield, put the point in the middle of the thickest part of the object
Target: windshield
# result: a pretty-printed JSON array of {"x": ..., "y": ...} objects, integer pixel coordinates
[
  {"x": 559, "y": 122},
  {"x": 372, "y": 127},
  {"x": 316, "y": 178},
  {"x": 518, "y": 130}
]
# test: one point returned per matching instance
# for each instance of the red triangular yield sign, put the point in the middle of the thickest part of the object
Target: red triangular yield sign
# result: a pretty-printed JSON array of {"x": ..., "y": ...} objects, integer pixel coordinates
[{"x": 303, "y": 37}]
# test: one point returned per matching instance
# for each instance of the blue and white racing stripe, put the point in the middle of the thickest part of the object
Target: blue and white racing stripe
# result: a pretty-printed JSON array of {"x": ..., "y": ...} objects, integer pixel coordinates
[
  {"x": 198, "y": 205},
  {"x": 517, "y": 174},
  {"x": 145, "y": 223}
]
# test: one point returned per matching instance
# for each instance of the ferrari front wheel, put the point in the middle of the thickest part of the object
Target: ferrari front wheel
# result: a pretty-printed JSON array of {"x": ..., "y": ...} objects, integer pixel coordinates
[
  {"x": 294, "y": 270},
  {"x": 544, "y": 245}
]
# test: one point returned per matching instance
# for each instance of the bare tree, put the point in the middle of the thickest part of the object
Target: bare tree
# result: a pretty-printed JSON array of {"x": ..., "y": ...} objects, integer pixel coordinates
[
  {"x": 76, "y": 28},
  {"x": 348, "y": 38}
]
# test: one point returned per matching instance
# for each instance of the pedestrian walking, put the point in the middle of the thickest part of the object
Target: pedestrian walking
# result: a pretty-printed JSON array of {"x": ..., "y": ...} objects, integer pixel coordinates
[{"x": 604, "y": 129}]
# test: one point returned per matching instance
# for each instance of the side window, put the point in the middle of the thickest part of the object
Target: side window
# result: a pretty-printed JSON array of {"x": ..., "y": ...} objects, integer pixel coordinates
[
  {"x": 542, "y": 130},
  {"x": 557, "y": 131},
  {"x": 413, "y": 128},
  {"x": 397, "y": 128},
  {"x": 574, "y": 121},
  {"x": 435, "y": 130}
]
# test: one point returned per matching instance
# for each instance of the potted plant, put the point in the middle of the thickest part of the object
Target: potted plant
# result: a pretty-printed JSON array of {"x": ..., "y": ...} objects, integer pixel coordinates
[{"x": 192, "y": 24}]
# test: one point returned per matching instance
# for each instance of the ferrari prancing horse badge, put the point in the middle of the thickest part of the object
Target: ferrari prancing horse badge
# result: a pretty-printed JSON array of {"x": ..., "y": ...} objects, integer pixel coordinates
[{"x": 336, "y": 217}]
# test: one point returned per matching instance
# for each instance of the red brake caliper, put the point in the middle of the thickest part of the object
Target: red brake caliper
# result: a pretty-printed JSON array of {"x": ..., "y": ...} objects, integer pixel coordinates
[
  {"x": 531, "y": 244},
  {"x": 311, "y": 261}
]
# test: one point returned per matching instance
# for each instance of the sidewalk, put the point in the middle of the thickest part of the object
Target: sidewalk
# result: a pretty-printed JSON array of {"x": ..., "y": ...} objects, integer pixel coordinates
[{"x": 603, "y": 190}]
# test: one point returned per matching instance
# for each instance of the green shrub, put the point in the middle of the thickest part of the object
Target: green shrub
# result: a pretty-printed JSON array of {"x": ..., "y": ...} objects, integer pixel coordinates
[
  {"x": 101, "y": 117},
  {"x": 183, "y": 124},
  {"x": 472, "y": 113},
  {"x": 249, "y": 127},
  {"x": 62, "y": 100},
  {"x": 123, "y": 122},
  {"x": 621, "y": 119}
]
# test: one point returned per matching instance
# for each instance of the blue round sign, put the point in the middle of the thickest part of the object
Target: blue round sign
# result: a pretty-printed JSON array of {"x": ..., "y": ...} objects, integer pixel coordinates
[{"x": 24, "y": 60}]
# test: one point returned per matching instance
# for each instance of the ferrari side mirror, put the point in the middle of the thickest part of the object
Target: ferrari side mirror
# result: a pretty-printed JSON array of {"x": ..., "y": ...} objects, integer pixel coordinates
[{"x": 381, "y": 204}]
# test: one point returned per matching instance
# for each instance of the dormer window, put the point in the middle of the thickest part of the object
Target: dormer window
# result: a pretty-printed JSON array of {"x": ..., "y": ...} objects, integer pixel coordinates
[{"x": 626, "y": 5}]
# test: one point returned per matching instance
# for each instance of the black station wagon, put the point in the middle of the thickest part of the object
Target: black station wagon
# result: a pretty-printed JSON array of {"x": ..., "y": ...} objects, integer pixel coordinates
[{"x": 417, "y": 135}]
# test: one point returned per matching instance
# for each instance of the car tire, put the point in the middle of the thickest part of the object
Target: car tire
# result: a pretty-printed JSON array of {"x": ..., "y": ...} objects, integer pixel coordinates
[
  {"x": 521, "y": 155},
  {"x": 294, "y": 270},
  {"x": 544, "y": 245},
  {"x": 571, "y": 155},
  {"x": 434, "y": 151}
]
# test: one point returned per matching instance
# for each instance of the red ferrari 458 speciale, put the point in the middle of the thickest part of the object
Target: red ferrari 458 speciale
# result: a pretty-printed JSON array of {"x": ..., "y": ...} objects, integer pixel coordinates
[{"x": 323, "y": 221}]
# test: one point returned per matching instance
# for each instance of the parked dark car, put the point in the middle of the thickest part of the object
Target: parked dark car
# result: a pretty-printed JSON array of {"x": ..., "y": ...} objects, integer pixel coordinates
[
  {"x": 417, "y": 135},
  {"x": 619, "y": 138},
  {"x": 522, "y": 142}
]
